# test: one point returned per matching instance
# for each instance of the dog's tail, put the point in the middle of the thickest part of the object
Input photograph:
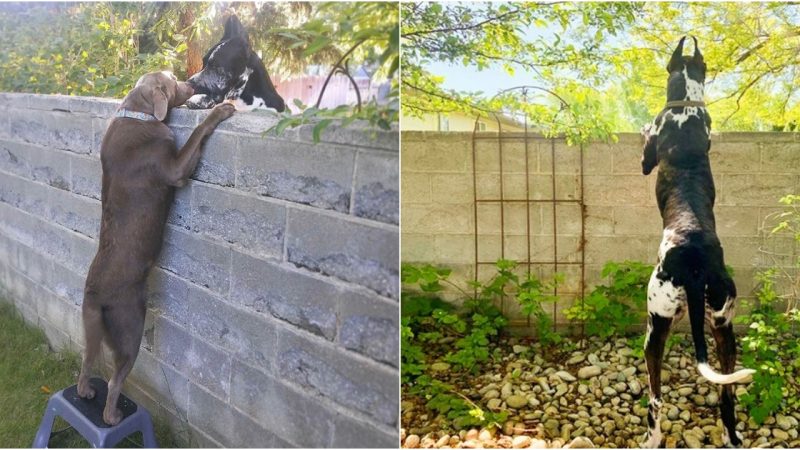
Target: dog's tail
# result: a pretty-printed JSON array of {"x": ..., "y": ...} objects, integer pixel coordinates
[{"x": 695, "y": 285}]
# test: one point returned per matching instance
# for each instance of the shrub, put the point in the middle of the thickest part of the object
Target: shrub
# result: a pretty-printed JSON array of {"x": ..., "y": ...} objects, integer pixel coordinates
[
  {"x": 766, "y": 349},
  {"x": 426, "y": 320},
  {"x": 610, "y": 309},
  {"x": 771, "y": 345}
]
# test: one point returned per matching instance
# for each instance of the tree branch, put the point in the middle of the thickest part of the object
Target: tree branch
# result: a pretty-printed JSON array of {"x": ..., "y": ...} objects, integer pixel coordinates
[
  {"x": 749, "y": 52},
  {"x": 335, "y": 67},
  {"x": 463, "y": 27}
]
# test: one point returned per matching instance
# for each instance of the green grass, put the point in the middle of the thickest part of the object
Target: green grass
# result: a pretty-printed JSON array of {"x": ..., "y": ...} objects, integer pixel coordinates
[{"x": 29, "y": 373}]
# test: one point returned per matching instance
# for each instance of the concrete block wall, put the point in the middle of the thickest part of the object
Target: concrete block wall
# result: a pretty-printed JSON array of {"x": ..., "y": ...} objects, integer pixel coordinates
[
  {"x": 751, "y": 171},
  {"x": 273, "y": 314}
]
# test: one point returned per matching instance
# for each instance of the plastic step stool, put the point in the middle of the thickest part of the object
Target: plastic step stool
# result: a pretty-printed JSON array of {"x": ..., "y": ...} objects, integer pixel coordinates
[{"x": 86, "y": 416}]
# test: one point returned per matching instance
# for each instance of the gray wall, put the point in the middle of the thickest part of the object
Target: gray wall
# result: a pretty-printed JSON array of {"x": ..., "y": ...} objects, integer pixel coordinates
[{"x": 273, "y": 310}]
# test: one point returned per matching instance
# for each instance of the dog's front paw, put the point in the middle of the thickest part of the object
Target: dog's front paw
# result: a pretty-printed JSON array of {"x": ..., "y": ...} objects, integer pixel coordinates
[
  {"x": 112, "y": 416},
  {"x": 200, "y": 101},
  {"x": 222, "y": 112}
]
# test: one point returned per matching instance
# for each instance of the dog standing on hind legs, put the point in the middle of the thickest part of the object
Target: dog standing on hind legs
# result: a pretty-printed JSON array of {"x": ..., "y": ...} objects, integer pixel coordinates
[
  {"x": 690, "y": 274},
  {"x": 141, "y": 168}
]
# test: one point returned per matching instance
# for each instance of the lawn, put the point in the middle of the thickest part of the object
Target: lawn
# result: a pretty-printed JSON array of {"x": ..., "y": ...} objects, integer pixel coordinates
[{"x": 29, "y": 372}]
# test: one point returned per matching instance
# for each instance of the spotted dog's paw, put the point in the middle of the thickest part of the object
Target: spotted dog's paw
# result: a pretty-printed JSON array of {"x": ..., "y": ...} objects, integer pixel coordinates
[
  {"x": 648, "y": 130},
  {"x": 651, "y": 440},
  {"x": 200, "y": 101},
  {"x": 736, "y": 442}
]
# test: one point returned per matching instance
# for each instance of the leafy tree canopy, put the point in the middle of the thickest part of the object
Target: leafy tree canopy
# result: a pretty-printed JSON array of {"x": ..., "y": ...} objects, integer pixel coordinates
[
  {"x": 595, "y": 68},
  {"x": 752, "y": 51}
]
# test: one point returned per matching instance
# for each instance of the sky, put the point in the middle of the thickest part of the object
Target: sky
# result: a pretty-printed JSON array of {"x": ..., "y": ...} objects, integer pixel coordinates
[{"x": 494, "y": 78}]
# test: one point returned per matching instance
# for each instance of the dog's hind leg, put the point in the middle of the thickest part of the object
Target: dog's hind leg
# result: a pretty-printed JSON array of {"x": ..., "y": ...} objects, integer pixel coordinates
[
  {"x": 93, "y": 331},
  {"x": 125, "y": 335},
  {"x": 726, "y": 352},
  {"x": 657, "y": 332},
  {"x": 721, "y": 297}
]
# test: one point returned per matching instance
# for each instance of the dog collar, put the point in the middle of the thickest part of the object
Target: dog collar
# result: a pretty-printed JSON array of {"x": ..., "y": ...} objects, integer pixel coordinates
[
  {"x": 677, "y": 103},
  {"x": 122, "y": 112}
]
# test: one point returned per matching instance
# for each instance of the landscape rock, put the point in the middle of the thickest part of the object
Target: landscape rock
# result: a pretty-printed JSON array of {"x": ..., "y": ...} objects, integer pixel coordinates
[
  {"x": 566, "y": 376},
  {"x": 589, "y": 372},
  {"x": 516, "y": 401},
  {"x": 521, "y": 442}
]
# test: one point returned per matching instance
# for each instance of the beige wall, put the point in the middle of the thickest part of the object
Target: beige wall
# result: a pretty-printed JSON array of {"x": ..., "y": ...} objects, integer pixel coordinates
[{"x": 752, "y": 171}]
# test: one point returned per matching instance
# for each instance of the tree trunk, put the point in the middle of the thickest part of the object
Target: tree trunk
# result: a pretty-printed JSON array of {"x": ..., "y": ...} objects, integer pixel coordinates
[{"x": 194, "y": 59}]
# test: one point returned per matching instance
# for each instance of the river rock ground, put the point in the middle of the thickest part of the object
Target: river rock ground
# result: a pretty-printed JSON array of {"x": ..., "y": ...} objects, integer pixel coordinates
[{"x": 590, "y": 397}]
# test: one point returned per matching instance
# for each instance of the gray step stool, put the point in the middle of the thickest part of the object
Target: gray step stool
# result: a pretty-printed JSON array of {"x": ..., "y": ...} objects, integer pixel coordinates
[{"x": 86, "y": 416}]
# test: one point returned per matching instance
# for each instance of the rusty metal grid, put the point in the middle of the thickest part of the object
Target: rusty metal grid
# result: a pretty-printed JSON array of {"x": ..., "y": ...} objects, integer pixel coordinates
[{"x": 527, "y": 138}]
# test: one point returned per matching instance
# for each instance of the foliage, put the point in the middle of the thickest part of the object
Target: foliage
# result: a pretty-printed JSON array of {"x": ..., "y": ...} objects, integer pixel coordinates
[
  {"x": 463, "y": 412},
  {"x": 750, "y": 50},
  {"x": 377, "y": 116},
  {"x": 367, "y": 32},
  {"x": 427, "y": 320},
  {"x": 610, "y": 309},
  {"x": 766, "y": 349},
  {"x": 614, "y": 53},
  {"x": 494, "y": 35},
  {"x": 771, "y": 345},
  {"x": 77, "y": 49},
  {"x": 530, "y": 292}
]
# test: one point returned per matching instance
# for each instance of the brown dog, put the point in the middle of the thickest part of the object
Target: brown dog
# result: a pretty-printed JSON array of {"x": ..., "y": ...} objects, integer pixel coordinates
[{"x": 141, "y": 168}]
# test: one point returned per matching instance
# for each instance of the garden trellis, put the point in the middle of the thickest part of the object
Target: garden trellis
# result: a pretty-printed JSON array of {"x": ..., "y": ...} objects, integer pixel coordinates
[{"x": 502, "y": 190}]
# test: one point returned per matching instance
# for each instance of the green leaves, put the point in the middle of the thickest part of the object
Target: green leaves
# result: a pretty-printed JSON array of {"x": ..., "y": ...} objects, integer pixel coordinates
[
  {"x": 372, "y": 114},
  {"x": 74, "y": 49},
  {"x": 318, "y": 44},
  {"x": 504, "y": 36},
  {"x": 750, "y": 51},
  {"x": 612, "y": 308},
  {"x": 771, "y": 345}
]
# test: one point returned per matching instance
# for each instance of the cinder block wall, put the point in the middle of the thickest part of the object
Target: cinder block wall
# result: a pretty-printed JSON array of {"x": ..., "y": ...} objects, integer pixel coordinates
[
  {"x": 273, "y": 309},
  {"x": 751, "y": 170}
]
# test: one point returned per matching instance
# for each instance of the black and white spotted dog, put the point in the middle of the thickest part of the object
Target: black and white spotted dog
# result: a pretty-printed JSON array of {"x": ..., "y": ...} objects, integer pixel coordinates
[
  {"x": 690, "y": 274},
  {"x": 233, "y": 71}
]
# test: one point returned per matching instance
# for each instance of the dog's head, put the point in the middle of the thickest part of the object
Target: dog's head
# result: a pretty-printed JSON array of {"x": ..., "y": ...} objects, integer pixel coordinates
[
  {"x": 156, "y": 92},
  {"x": 233, "y": 71},
  {"x": 687, "y": 74}
]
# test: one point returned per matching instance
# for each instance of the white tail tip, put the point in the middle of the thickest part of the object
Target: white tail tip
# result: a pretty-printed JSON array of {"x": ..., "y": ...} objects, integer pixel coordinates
[{"x": 716, "y": 377}]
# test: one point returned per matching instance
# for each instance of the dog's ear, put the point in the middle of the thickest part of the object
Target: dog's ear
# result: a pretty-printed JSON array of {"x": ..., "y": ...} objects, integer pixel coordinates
[
  {"x": 676, "y": 62},
  {"x": 234, "y": 28},
  {"x": 158, "y": 98},
  {"x": 697, "y": 55}
]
